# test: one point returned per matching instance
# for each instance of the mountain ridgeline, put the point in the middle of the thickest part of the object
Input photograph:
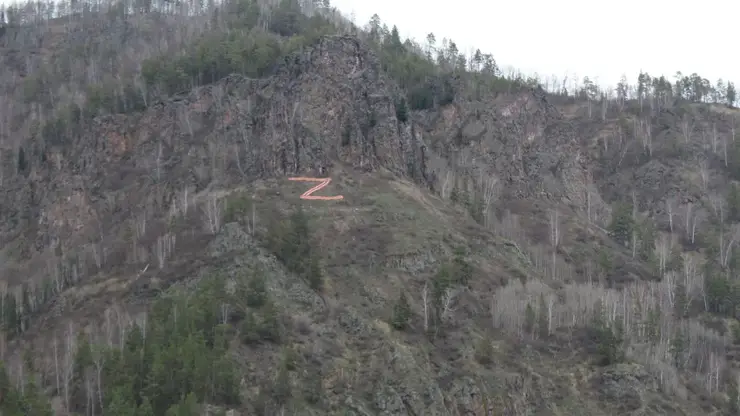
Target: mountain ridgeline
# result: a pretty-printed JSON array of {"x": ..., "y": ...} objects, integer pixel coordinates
[{"x": 505, "y": 245}]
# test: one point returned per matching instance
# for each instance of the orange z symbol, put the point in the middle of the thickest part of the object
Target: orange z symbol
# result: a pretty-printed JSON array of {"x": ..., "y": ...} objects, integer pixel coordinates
[{"x": 322, "y": 185}]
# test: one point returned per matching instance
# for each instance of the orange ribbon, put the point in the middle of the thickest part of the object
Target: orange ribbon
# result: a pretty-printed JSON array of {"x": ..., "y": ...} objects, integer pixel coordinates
[{"x": 322, "y": 185}]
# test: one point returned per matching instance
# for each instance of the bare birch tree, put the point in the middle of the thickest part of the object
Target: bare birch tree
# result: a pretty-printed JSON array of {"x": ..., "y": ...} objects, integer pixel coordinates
[
  {"x": 691, "y": 220},
  {"x": 554, "y": 228},
  {"x": 425, "y": 301},
  {"x": 99, "y": 363},
  {"x": 663, "y": 248},
  {"x": 213, "y": 213},
  {"x": 727, "y": 240},
  {"x": 604, "y": 107},
  {"x": 68, "y": 366},
  {"x": 687, "y": 128},
  {"x": 57, "y": 378},
  {"x": 704, "y": 173},
  {"x": 163, "y": 248},
  {"x": 670, "y": 206}
]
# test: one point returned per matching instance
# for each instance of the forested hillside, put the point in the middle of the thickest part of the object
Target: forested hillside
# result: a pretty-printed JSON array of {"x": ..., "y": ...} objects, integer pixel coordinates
[{"x": 506, "y": 244}]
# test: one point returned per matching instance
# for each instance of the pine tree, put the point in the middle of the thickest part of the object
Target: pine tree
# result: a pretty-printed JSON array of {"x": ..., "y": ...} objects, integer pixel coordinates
[
  {"x": 120, "y": 405},
  {"x": 314, "y": 274},
  {"x": 529, "y": 319},
  {"x": 401, "y": 313},
  {"x": 646, "y": 234},
  {"x": 484, "y": 351},
  {"x": 543, "y": 321},
  {"x": 281, "y": 388},
  {"x": 678, "y": 346},
  {"x": 652, "y": 330},
  {"x": 622, "y": 223},
  {"x": 145, "y": 409},
  {"x": 733, "y": 203},
  {"x": 733, "y": 395},
  {"x": 731, "y": 94},
  {"x": 402, "y": 110},
  {"x": 609, "y": 339},
  {"x": 681, "y": 302},
  {"x": 257, "y": 291}
]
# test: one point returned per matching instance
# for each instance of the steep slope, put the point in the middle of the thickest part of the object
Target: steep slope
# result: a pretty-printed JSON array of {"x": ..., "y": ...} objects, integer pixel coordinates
[{"x": 221, "y": 135}]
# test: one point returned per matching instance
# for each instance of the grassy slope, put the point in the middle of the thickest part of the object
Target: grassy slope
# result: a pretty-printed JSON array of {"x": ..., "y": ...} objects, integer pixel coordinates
[{"x": 385, "y": 237}]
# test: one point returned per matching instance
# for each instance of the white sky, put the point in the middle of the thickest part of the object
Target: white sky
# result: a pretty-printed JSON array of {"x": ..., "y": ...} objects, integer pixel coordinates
[{"x": 576, "y": 37}]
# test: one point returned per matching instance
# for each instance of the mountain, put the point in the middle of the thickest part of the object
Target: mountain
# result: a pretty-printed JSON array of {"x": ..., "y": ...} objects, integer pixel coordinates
[{"x": 503, "y": 245}]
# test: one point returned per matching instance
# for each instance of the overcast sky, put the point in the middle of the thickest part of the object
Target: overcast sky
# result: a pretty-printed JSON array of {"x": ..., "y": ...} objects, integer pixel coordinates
[{"x": 580, "y": 37}]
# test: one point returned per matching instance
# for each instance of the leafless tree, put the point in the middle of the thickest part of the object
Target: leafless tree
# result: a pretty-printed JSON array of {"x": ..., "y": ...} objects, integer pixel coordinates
[
  {"x": 164, "y": 247},
  {"x": 727, "y": 241},
  {"x": 691, "y": 220},
  {"x": 98, "y": 252},
  {"x": 89, "y": 392},
  {"x": 21, "y": 380},
  {"x": 625, "y": 145},
  {"x": 447, "y": 299},
  {"x": 714, "y": 138},
  {"x": 647, "y": 135},
  {"x": 108, "y": 326},
  {"x": 140, "y": 86},
  {"x": 224, "y": 312},
  {"x": 68, "y": 367},
  {"x": 99, "y": 362},
  {"x": 734, "y": 383},
  {"x": 693, "y": 279},
  {"x": 180, "y": 204},
  {"x": 589, "y": 184},
  {"x": 425, "y": 301},
  {"x": 670, "y": 206},
  {"x": 635, "y": 220},
  {"x": 687, "y": 128},
  {"x": 139, "y": 228},
  {"x": 448, "y": 183},
  {"x": 663, "y": 250},
  {"x": 214, "y": 211},
  {"x": 716, "y": 364},
  {"x": 158, "y": 163},
  {"x": 704, "y": 173},
  {"x": 554, "y": 228},
  {"x": 55, "y": 349},
  {"x": 489, "y": 185},
  {"x": 604, "y": 107},
  {"x": 717, "y": 204},
  {"x": 554, "y": 239},
  {"x": 218, "y": 155}
]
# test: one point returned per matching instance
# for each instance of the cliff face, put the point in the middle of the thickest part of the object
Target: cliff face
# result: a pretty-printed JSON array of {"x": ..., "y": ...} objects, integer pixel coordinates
[
  {"x": 326, "y": 106},
  {"x": 519, "y": 140}
]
